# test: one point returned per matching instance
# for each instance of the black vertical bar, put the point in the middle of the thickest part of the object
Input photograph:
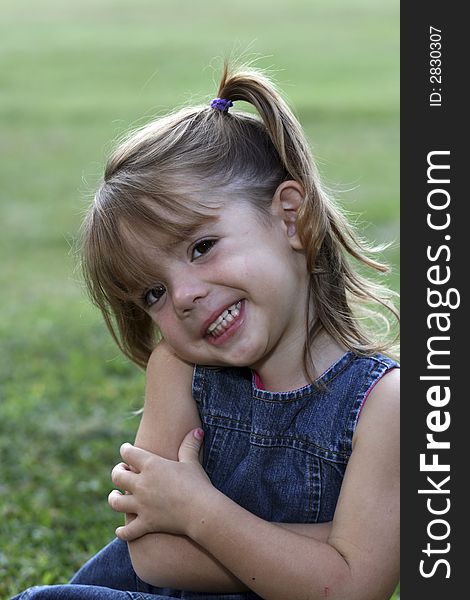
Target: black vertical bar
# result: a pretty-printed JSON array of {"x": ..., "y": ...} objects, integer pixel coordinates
[{"x": 435, "y": 392}]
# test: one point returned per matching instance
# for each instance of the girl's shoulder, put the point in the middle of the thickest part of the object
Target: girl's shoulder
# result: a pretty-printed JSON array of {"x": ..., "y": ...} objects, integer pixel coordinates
[
  {"x": 378, "y": 379},
  {"x": 367, "y": 370},
  {"x": 380, "y": 411}
]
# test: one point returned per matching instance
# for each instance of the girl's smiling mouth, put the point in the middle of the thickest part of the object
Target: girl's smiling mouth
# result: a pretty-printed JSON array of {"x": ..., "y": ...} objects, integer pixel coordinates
[{"x": 225, "y": 325}]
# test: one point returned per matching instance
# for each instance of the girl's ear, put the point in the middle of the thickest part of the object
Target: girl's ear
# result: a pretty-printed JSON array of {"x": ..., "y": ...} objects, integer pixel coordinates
[{"x": 287, "y": 200}]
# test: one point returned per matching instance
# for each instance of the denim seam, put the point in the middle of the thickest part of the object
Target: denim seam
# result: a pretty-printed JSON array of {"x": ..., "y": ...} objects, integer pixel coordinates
[
  {"x": 227, "y": 423},
  {"x": 375, "y": 376},
  {"x": 310, "y": 447},
  {"x": 379, "y": 370},
  {"x": 214, "y": 451},
  {"x": 320, "y": 490},
  {"x": 278, "y": 440},
  {"x": 219, "y": 416},
  {"x": 290, "y": 442},
  {"x": 310, "y": 484},
  {"x": 203, "y": 388},
  {"x": 304, "y": 392}
]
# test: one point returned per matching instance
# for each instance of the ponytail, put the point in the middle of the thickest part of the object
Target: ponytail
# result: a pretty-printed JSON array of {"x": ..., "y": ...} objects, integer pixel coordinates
[{"x": 285, "y": 132}]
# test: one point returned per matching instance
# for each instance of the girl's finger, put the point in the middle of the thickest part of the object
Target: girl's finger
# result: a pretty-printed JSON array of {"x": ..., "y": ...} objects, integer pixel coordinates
[
  {"x": 124, "y": 503},
  {"x": 123, "y": 477},
  {"x": 191, "y": 446},
  {"x": 136, "y": 457},
  {"x": 133, "y": 530}
]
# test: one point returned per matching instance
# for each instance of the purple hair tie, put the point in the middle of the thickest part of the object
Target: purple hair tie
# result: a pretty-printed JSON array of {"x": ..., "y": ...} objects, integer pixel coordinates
[{"x": 221, "y": 104}]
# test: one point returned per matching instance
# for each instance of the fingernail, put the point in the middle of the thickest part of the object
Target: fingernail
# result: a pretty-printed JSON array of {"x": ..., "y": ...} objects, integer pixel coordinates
[{"x": 199, "y": 434}]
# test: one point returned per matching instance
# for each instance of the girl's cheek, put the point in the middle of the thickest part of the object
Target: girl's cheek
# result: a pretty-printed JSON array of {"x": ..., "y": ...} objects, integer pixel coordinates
[
  {"x": 170, "y": 329},
  {"x": 161, "y": 320}
]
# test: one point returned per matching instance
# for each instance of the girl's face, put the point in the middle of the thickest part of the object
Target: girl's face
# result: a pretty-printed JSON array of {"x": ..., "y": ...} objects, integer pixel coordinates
[{"x": 234, "y": 294}]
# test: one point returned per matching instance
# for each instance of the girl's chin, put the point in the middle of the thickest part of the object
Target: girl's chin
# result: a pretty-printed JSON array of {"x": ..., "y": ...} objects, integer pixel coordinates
[
  {"x": 246, "y": 356},
  {"x": 234, "y": 358}
]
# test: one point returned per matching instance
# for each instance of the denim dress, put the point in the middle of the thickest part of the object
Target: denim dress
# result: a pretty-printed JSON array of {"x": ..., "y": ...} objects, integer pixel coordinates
[{"x": 280, "y": 455}]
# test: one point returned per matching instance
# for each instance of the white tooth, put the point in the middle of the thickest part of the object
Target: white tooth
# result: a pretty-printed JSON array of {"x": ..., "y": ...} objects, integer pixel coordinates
[
  {"x": 217, "y": 331},
  {"x": 219, "y": 320},
  {"x": 214, "y": 324},
  {"x": 225, "y": 319}
]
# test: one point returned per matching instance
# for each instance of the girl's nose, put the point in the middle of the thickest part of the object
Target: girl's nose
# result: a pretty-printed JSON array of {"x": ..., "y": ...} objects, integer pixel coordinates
[{"x": 187, "y": 292}]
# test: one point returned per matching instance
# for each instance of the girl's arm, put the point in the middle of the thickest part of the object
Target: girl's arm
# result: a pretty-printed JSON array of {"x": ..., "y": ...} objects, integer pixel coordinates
[
  {"x": 161, "y": 559},
  {"x": 175, "y": 561},
  {"x": 359, "y": 561}
]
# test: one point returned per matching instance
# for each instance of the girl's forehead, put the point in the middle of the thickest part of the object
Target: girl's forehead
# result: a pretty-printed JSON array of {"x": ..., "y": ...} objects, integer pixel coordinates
[
  {"x": 151, "y": 242},
  {"x": 164, "y": 233}
]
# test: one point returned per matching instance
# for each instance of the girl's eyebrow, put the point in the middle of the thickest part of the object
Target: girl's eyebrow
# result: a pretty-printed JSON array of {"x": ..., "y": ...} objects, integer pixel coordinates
[{"x": 187, "y": 233}]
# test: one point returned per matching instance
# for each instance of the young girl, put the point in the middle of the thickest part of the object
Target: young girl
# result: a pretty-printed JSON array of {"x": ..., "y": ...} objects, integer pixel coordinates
[{"x": 266, "y": 462}]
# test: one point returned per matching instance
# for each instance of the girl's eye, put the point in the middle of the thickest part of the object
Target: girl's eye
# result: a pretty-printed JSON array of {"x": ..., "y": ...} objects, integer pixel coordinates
[
  {"x": 153, "y": 295},
  {"x": 202, "y": 247}
]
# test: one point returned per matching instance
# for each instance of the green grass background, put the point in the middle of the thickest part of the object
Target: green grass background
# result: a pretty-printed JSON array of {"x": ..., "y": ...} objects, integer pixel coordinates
[{"x": 74, "y": 76}]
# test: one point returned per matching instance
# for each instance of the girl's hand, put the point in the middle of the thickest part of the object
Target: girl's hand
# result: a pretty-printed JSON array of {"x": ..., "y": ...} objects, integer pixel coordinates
[{"x": 160, "y": 492}]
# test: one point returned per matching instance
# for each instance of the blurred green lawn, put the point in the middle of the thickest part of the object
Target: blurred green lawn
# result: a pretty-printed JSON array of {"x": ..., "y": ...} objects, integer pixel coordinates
[{"x": 73, "y": 76}]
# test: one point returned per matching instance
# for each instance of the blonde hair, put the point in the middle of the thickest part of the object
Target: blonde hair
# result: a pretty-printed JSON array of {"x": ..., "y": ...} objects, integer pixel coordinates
[{"x": 156, "y": 180}]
